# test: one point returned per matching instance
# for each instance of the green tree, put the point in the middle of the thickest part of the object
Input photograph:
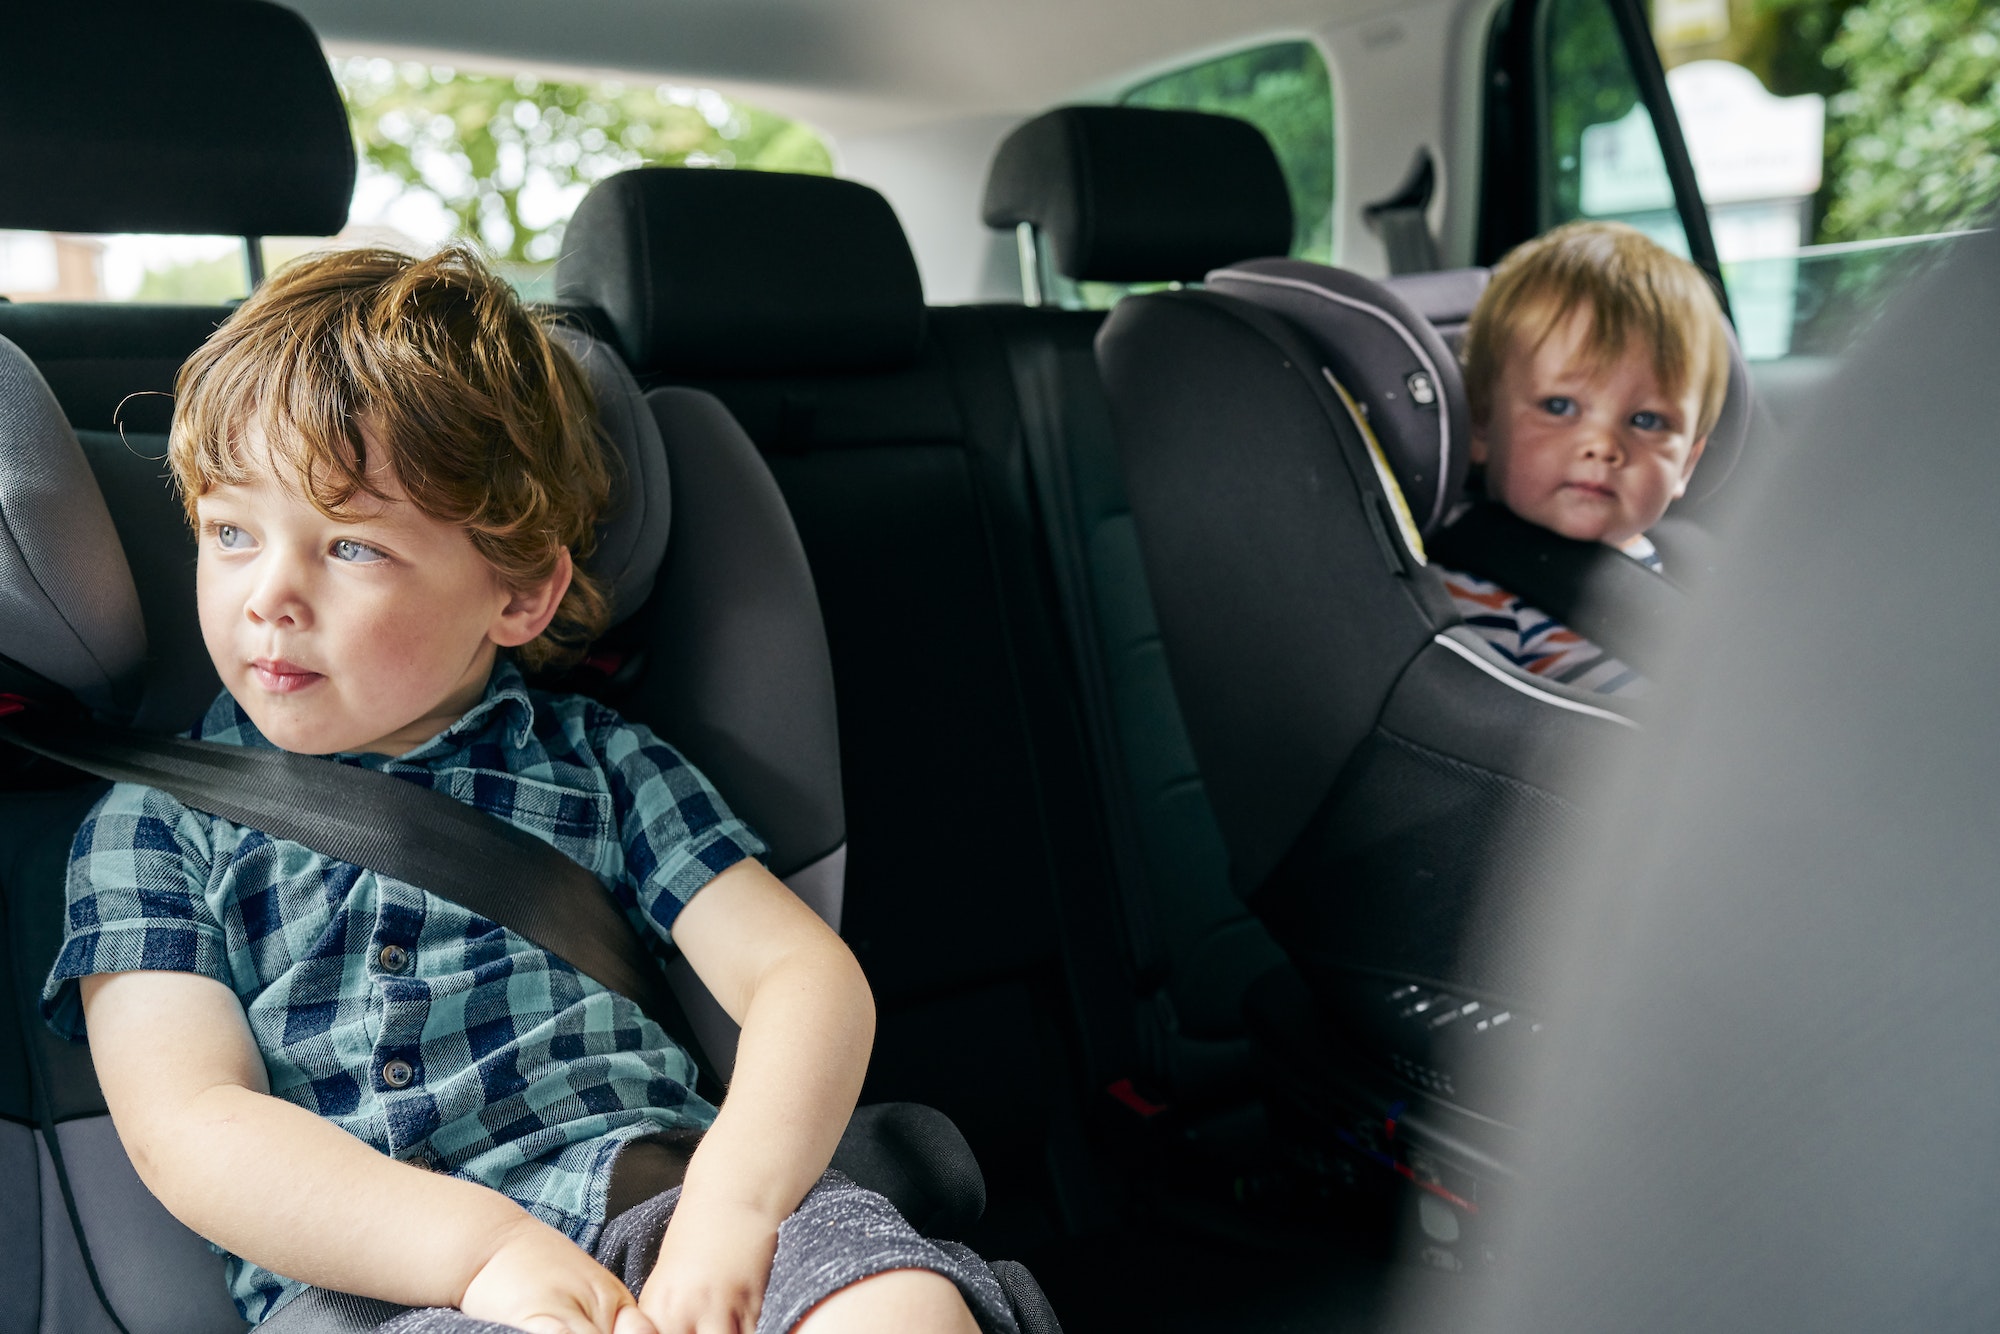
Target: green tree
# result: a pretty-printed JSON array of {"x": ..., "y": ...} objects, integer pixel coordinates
[
  {"x": 1913, "y": 139},
  {"x": 1281, "y": 89},
  {"x": 510, "y": 157}
]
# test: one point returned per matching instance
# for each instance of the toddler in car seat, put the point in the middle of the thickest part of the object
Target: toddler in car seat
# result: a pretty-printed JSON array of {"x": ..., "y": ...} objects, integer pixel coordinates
[
  {"x": 353, "y": 1086},
  {"x": 1596, "y": 363}
]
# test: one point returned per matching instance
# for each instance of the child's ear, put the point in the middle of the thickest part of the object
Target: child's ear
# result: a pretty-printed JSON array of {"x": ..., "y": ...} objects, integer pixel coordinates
[
  {"x": 529, "y": 611},
  {"x": 1687, "y": 469},
  {"x": 1477, "y": 453}
]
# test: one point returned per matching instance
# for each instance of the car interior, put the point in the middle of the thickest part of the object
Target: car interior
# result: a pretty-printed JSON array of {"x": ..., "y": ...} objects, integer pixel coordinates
[{"x": 1253, "y": 948}]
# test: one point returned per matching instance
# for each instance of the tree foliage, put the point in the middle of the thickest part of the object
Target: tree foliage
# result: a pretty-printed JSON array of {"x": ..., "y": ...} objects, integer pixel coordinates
[
  {"x": 510, "y": 157},
  {"x": 1913, "y": 139},
  {"x": 1281, "y": 89},
  {"x": 1913, "y": 103}
]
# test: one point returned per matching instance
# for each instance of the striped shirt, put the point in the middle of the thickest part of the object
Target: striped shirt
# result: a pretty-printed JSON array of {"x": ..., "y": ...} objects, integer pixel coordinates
[
  {"x": 426, "y": 1031},
  {"x": 1536, "y": 642}
]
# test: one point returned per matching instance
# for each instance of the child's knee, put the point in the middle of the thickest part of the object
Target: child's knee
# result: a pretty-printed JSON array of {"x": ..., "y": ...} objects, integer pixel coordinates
[{"x": 900, "y": 1299}]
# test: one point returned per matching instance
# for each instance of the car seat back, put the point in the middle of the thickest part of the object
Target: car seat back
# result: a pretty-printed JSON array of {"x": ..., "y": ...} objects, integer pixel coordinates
[{"x": 1110, "y": 193}]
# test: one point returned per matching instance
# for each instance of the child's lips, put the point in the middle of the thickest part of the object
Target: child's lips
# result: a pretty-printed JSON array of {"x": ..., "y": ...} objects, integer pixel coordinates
[
  {"x": 1598, "y": 489},
  {"x": 281, "y": 677}
]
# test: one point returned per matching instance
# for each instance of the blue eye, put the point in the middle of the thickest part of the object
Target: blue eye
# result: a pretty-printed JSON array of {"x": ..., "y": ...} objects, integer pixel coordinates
[
  {"x": 1649, "y": 421},
  {"x": 230, "y": 538},
  {"x": 355, "y": 553},
  {"x": 1559, "y": 405}
]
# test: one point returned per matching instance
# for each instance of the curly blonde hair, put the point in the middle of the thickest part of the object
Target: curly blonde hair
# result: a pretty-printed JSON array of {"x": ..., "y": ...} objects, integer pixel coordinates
[{"x": 483, "y": 419}]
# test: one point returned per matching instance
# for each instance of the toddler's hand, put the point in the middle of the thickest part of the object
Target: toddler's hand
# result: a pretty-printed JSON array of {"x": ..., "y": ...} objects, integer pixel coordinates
[
  {"x": 539, "y": 1280},
  {"x": 711, "y": 1273}
]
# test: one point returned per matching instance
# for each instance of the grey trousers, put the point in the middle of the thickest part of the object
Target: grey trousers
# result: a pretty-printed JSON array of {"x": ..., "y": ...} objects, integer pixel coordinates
[{"x": 839, "y": 1235}]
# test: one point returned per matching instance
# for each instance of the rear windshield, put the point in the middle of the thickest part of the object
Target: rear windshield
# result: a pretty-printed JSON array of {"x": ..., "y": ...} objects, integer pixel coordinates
[{"x": 445, "y": 154}]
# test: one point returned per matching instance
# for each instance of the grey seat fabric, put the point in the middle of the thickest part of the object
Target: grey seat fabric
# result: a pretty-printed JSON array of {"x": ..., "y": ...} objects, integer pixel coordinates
[{"x": 1778, "y": 977}]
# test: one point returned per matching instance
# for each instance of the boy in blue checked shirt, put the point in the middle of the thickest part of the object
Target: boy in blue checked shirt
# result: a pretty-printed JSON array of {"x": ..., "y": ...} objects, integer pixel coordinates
[{"x": 353, "y": 1086}]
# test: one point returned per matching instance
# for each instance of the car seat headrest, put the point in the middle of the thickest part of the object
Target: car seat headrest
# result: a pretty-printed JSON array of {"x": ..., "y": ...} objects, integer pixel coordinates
[
  {"x": 1386, "y": 357},
  {"x": 632, "y": 537},
  {"x": 1141, "y": 194},
  {"x": 707, "y": 272},
  {"x": 69, "y": 611},
  {"x": 209, "y": 116}
]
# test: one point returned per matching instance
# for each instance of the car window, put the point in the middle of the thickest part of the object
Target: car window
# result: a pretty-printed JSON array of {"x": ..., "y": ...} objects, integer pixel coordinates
[
  {"x": 1839, "y": 146},
  {"x": 1601, "y": 155},
  {"x": 444, "y": 154}
]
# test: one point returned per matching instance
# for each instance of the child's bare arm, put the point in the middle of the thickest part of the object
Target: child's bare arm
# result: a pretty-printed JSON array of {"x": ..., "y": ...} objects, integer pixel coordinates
[
  {"x": 280, "y": 1186},
  {"x": 808, "y": 1023}
]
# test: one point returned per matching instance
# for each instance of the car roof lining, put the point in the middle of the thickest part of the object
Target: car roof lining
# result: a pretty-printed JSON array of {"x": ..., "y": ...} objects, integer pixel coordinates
[{"x": 849, "y": 66}]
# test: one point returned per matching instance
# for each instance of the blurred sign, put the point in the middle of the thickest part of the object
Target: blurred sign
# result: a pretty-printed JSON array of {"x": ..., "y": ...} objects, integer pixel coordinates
[
  {"x": 1687, "y": 22},
  {"x": 1746, "y": 144}
]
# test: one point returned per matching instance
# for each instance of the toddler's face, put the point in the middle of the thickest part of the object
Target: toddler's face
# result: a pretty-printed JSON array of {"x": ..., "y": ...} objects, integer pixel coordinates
[
  {"x": 1594, "y": 452},
  {"x": 343, "y": 636}
]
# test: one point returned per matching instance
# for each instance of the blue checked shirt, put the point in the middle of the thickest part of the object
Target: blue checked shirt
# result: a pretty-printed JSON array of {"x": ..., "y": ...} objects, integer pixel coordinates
[{"x": 426, "y": 1031}]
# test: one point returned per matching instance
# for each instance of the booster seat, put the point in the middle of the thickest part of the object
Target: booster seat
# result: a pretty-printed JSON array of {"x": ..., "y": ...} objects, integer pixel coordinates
[{"x": 1395, "y": 798}]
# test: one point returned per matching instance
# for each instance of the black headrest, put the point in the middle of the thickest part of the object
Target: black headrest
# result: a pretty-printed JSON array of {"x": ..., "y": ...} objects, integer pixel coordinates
[
  {"x": 1139, "y": 194},
  {"x": 199, "y": 116},
  {"x": 706, "y": 272},
  {"x": 1387, "y": 358}
]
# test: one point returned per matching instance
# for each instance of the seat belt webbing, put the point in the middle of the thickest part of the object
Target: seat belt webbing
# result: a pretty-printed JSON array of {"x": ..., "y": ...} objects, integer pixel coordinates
[{"x": 384, "y": 824}]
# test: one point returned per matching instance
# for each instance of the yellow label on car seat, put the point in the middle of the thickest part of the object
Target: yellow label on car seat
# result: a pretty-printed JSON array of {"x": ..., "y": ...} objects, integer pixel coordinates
[{"x": 1391, "y": 488}]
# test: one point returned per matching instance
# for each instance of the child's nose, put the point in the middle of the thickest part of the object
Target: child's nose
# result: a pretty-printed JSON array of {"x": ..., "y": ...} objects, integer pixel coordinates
[{"x": 278, "y": 599}]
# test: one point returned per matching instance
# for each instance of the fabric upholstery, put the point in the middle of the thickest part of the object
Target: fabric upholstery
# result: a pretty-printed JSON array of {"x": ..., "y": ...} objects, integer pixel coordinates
[
  {"x": 632, "y": 537},
  {"x": 713, "y": 272},
  {"x": 68, "y": 608},
  {"x": 1385, "y": 354},
  {"x": 202, "y": 116},
  {"x": 1138, "y": 194}
]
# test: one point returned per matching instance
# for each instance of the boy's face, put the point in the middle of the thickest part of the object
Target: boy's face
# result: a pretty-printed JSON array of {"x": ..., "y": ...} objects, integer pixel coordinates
[
  {"x": 367, "y": 635},
  {"x": 1594, "y": 452}
]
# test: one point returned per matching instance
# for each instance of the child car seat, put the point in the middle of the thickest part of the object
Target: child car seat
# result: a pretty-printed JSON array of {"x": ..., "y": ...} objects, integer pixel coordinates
[{"x": 1394, "y": 797}]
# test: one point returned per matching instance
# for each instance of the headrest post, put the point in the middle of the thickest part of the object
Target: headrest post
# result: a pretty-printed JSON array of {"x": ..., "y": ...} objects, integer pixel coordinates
[
  {"x": 253, "y": 260},
  {"x": 1031, "y": 263}
]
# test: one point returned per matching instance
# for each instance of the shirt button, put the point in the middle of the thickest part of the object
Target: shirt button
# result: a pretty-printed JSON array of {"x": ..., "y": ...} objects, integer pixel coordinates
[
  {"x": 397, "y": 1074},
  {"x": 394, "y": 958}
]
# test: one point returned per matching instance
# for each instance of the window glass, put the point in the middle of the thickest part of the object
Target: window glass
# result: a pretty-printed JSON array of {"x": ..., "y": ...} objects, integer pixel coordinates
[
  {"x": 1603, "y": 156},
  {"x": 64, "y": 266},
  {"x": 444, "y": 153},
  {"x": 1839, "y": 143}
]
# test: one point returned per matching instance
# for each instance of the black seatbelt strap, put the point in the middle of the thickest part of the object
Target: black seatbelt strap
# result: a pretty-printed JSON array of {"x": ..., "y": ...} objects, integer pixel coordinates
[
  {"x": 1601, "y": 593},
  {"x": 384, "y": 824}
]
